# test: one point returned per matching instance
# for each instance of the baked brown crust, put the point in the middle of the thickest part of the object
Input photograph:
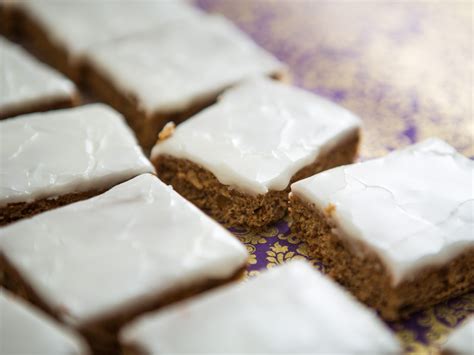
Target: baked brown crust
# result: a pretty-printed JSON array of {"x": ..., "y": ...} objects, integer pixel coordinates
[
  {"x": 146, "y": 126},
  {"x": 18, "y": 210},
  {"x": 359, "y": 269},
  {"x": 6, "y": 20},
  {"x": 43, "y": 106},
  {"x": 234, "y": 207},
  {"x": 102, "y": 334},
  {"x": 32, "y": 33}
]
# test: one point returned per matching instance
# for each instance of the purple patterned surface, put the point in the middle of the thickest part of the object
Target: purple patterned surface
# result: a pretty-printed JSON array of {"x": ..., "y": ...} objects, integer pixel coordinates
[{"x": 404, "y": 67}]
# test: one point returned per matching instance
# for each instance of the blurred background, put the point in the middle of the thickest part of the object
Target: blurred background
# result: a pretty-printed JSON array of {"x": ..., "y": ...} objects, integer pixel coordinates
[{"x": 405, "y": 67}]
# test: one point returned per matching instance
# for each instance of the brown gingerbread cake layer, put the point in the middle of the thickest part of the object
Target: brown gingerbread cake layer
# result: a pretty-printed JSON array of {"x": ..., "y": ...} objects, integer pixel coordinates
[
  {"x": 146, "y": 126},
  {"x": 102, "y": 333},
  {"x": 42, "y": 46},
  {"x": 236, "y": 208},
  {"x": 6, "y": 19},
  {"x": 15, "y": 211},
  {"x": 41, "y": 107},
  {"x": 366, "y": 276}
]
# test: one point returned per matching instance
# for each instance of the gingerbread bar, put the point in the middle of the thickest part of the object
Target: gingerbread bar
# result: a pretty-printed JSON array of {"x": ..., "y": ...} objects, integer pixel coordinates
[
  {"x": 174, "y": 71},
  {"x": 309, "y": 314},
  {"x": 63, "y": 31},
  {"x": 54, "y": 158},
  {"x": 396, "y": 231},
  {"x": 237, "y": 158},
  {"x": 30, "y": 86},
  {"x": 97, "y": 263},
  {"x": 26, "y": 330}
]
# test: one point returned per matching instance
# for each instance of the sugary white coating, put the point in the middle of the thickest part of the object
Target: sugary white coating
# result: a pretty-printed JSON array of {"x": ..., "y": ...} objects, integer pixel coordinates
[
  {"x": 182, "y": 63},
  {"x": 26, "y": 330},
  {"x": 25, "y": 82},
  {"x": 461, "y": 341},
  {"x": 45, "y": 155},
  {"x": 413, "y": 207},
  {"x": 79, "y": 26},
  {"x": 130, "y": 245},
  {"x": 259, "y": 134},
  {"x": 290, "y": 309}
]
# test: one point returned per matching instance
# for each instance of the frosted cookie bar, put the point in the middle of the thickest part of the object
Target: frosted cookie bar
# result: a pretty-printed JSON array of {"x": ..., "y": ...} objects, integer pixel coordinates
[
  {"x": 237, "y": 158},
  {"x": 26, "y": 85},
  {"x": 314, "y": 316},
  {"x": 97, "y": 263},
  {"x": 174, "y": 71},
  {"x": 27, "y": 330},
  {"x": 396, "y": 231},
  {"x": 54, "y": 158},
  {"x": 63, "y": 31},
  {"x": 461, "y": 341}
]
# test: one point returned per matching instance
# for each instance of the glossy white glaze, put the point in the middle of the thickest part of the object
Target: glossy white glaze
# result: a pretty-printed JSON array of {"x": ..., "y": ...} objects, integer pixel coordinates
[
  {"x": 414, "y": 207},
  {"x": 259, "y": 134},
  {"x": 290, "y": 309},
  {"x": 182, "y": 62},
  {"x": 26, "y": 330},
  {"x": 79, "y": 26},
  {"x": 120, "y": 249},
  {"x": 461, "y": 341},
  {"x": 25, "y": 82},
  {"x": 45, "y": 155}
]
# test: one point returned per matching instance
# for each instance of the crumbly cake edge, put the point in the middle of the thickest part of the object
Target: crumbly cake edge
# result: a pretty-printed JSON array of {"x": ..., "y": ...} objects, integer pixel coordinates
[
  {"x": 358, "y": 268},
  {"x": 236, "y": 208}
]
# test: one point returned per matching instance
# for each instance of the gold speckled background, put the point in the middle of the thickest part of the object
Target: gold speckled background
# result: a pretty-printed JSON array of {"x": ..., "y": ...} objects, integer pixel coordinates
[{"x": 405, "y": 67}]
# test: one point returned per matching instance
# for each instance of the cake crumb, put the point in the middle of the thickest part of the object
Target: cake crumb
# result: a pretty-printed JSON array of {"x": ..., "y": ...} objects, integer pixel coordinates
[
  {"x": 167, "y": 131},
  {"x": 330, "y": 209}
]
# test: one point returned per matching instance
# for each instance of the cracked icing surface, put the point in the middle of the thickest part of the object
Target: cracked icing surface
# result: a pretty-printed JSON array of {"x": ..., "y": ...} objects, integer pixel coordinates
[
  {"x": 113, "y": 244},
  {"x": 182, "y": 62},
  {"x": 309, "y": 307},
  {"x": 65, "y": 151},
  {"x": 414, "y": 207},
  {"x": 259, "y": 134},
  {"x": 26, "y": 330},
  {"x": 461, "y": 341},
  {"x": 24, "y": 81},
  {"x": 64, "y": 23}
]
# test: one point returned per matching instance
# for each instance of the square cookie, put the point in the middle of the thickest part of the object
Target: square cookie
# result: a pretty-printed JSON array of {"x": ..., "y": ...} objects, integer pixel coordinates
[
  {"x": 396, "y": 231},
  {"x": 237, "y": 158},
  {"x": 172, "y": 72},
  {"x": 29, "y": 86},
  {"x": 61, "y": 32},
  {"x": 58, "y": 157},
  {"x": 26, "y": 330},
  {"x": 291, "y": 309},
  {"x": 97, "y": 263}
]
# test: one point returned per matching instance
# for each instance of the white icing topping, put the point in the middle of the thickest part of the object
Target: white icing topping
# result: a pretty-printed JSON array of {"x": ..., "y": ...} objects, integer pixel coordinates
[
  {"x": 259, "y": 134},
  {"x": 81, "y": 25},
  {"x": 182, "y": 62},
  {"x": 461, "y": 341},
  {"x": 310, "y": 313},
  {"x": 65, "y": 151},
  {"x": 25, "y": 82},
  {"x": 413, "y": 207},
  {"x": 25, "y": 330},
  {"x": 125, "y": 247}
]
